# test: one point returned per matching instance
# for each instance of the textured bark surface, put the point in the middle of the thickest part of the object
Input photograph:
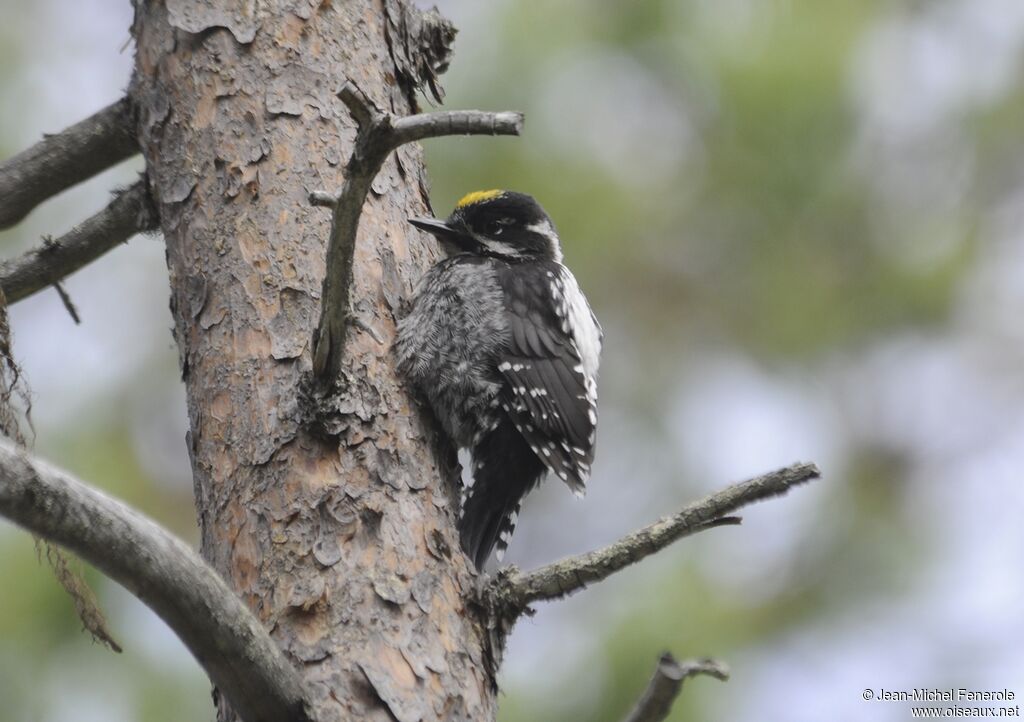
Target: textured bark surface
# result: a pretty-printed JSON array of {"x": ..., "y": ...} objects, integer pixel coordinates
[{"x": 337, "y": 531}]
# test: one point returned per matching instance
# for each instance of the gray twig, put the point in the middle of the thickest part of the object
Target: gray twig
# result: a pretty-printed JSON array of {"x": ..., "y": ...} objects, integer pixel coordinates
[
  {"x": 664, "y": 687},
  {"x": 60, "y": 161},
  {"x": 379, "y": 134},
  {"x": 511, "y": 591},
  {"x": 68, "y": 303},
  {"x": 130, "y": 212},
  {"x": 226, "y": 638},
  {"x": 323, "y": 199}
]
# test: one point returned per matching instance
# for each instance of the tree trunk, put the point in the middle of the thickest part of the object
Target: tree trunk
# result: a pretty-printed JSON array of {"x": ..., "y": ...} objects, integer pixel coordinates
[{"x": 335, "y": 525}]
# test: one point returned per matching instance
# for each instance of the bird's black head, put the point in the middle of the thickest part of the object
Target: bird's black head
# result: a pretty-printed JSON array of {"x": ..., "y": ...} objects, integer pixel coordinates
[{"x": 504, "y": 224}]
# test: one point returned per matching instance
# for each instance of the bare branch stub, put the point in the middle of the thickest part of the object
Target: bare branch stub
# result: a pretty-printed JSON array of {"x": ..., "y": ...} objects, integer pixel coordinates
[
  {"x": 379, "y": 134},
  {"x": 130, "y": 212},
  {"x": 665, "y": 685},
  {"x": 512, "y": 591},
  {"x": 64, "y": 159},
  {"x": 323, "y": 199},
  {"x": 364, "y": 111},
  {"x": 226, "y": 638}
]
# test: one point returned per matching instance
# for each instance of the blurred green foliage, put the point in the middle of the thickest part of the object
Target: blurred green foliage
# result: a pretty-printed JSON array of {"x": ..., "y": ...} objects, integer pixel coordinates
[{"x": 762, "y": 199}]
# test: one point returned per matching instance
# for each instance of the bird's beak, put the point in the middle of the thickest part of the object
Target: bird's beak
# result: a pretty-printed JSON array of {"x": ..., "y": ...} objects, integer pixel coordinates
[{"x": 445, "y": 233}]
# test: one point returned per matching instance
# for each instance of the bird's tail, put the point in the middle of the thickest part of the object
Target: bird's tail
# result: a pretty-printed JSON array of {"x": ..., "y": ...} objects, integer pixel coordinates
[{"x": 505, "y": 469}]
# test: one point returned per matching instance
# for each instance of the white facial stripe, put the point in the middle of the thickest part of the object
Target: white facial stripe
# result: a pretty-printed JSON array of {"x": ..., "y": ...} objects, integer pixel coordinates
[
  {"x": 502, "y": 249},
  {"x": 544, "y": 228}
]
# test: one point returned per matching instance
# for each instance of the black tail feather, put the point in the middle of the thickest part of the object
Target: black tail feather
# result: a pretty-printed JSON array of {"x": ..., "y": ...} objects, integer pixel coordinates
[{"x": 504, "y": 471}]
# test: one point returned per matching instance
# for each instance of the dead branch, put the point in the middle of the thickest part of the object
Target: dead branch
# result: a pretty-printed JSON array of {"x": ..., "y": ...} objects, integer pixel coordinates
[
  {"x": 60, "y": 161},
  {"x": 512, "y": 591},
  {"x": 130, "y": 212},
  {"x": 228, "y": 641},
  {"x": 664, "y": 687},
  {"x": 379, "y": 134}
]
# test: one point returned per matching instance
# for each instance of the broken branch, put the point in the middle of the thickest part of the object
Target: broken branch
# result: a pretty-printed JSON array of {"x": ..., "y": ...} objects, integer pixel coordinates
[
  {"x": 130, "y": 212},
  {"x": 379, "y": 134},
  {"x": 60, "y": 161},
  {"x": 664, "y": 687}
]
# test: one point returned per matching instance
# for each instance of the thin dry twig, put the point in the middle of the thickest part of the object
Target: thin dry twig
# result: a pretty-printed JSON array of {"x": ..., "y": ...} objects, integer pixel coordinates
[
  {"x": 69, "y": 305},
  {"x": 512, "y": 591},
  {"x": 665, "y": 685},
  {"x": 226, "y": 638},
  {"x": 130, "y": 212},
  {"x": 64, "y": 159},
  {"x": 379, "y": 134}
]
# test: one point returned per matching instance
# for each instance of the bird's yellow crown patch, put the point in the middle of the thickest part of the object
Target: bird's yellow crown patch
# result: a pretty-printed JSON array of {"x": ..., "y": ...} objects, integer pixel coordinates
[{"x": 477, "y": 197}]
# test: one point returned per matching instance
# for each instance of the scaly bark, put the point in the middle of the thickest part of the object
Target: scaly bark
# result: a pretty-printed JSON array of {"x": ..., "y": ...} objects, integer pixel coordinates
[{"x": 334, "y": 524}]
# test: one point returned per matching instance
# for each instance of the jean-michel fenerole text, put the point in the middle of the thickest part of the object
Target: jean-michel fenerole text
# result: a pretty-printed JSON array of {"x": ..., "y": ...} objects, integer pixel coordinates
[{"x": 945, "y": 695}]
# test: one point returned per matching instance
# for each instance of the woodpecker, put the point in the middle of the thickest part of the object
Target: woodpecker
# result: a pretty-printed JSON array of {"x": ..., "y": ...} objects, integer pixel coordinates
[{"x": 504, "y": 346}]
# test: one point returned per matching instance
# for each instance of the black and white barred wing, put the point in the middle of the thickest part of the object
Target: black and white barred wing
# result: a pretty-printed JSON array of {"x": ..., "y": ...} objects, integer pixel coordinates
[{"x": 551, "y": 370}]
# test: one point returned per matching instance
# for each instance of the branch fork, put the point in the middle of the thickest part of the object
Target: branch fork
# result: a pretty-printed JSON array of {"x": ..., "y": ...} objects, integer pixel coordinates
[
  {"x": 667, "y": 682},
  {"x": 379, "y": 133}
]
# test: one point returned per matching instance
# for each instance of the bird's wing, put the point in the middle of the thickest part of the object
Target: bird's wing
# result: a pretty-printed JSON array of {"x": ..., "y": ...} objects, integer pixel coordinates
[{"x": 549, "y": 393}]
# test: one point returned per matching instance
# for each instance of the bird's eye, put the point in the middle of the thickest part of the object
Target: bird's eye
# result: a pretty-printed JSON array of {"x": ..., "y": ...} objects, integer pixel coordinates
[{"x": 495, "y": 226}]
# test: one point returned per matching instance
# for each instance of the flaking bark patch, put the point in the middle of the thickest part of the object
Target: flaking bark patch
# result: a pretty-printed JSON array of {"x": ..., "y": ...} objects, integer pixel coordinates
[
  {"x": 420, "y": 42},
  {"x": 197, "y": 16}
]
